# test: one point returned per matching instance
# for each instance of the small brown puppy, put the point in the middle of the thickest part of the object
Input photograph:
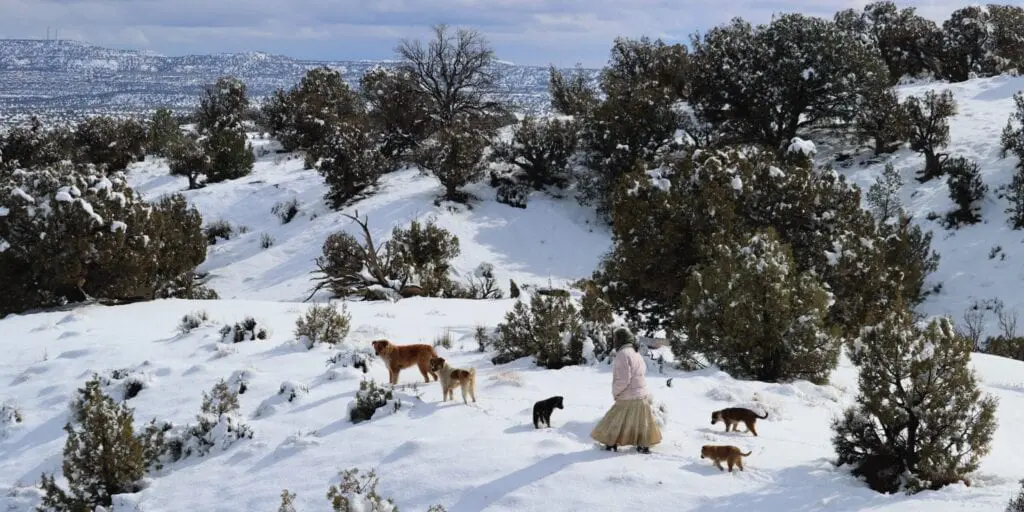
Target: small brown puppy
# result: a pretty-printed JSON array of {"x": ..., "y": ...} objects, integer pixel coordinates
[
  {"x": 399, "y": 357},
  {"x": 450, "y": 377},
  {"x": 730, "y": 454},
  {"x": 733, "y": 415}
]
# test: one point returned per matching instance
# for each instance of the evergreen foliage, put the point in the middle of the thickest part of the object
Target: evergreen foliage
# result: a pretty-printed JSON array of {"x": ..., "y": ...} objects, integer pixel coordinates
[
  {"x": 928, "y": 118},
  {"x": 920, "y": 421}
]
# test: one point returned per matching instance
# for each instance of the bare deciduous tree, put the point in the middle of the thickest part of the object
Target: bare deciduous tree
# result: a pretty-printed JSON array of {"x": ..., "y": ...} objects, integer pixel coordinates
[
  {"x": 973, "y": 326},
  {"x": 455, "y": 70}
]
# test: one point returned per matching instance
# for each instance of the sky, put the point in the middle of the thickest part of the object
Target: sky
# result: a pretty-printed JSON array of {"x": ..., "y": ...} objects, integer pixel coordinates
[{"x": 533, "y": 32}]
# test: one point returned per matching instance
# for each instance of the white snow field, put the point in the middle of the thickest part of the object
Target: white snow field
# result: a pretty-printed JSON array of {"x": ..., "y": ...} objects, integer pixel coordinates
[{"x": 483, "y": 456}]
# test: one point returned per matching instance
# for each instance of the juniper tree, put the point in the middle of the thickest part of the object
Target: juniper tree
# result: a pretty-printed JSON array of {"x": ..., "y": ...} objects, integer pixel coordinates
[
  {"x": 762, "y": 84},
  {"x": 752, "y": 313},
  {"x": 571, "y": 95},
  {"x": 164, "y": 132},
  {"x": 965, "y": 189},
  {"x": 883, "y": 196},
  {"x": 908, "y": 259},
  {"x": 907, "y": 42},
  {"x": 455, "y": 155},
  {"x": 1012, "y": 141},
  {"x": 966, "y": 44},
  {"x": 920, "y": 420},
  {"x": 928, "y": 118},
  {"x": 103, "y": 457},
  {"x": 186, "y": 157},
  {"x": 109, "y": 143},
  {"x": 348, "y": 156},
  {"x": 540, "y": 150},
  {"x": 1006, "y": 24},
  {"x": 305, "y": 116},
  {"x": 397, "y": 108},
  {"x": 219, "y": 122},
  {"x": 636, "y": 121},
  {"x": 882, "y": 120}
]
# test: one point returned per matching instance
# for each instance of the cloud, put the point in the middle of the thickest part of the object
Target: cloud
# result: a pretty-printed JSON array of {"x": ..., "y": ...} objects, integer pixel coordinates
[{"x": 539, "y": 32}]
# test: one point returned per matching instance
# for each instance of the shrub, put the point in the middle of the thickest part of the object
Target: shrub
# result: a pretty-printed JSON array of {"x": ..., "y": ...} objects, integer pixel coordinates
[
  {"x": 515, "y": 195},
  {"x": 928, "y": 118},
  {"x": 287, "y": 502},
  {"x": 246, "y": 330},
  {"x": 109, "y": 144},
  {"x": 10, "y": 414},
  {"x": 1006, "y": 346},
  {"x": 882, "y": 120},
  {"x": 415, "y": 261},
  {"x": 539, "y": 151},
  {"x": 218, "y": 229},
  {"x": 920, "y": 420},
  {"x": 286, "y": 210},
  {"x": 965, "y": 189},
  {"x": 444, "y": 340},
  {"x": 358, "y": 493},
  {"x": 481, "y": 285},
  {"x": 751, "y": 313},
  {"x": 548, "y": 329},
  {"x": 481, "y": 337},
  {"x": 101, "y": 240},
  {"x": 266, "y": 241},
  {"x": 35, "y": 145},
  {"x": 103, "y": 457},
  {"x": 369, "y": 398},
  {"x": 323, "y": 324},
  {"x": 217, "y": 425}
]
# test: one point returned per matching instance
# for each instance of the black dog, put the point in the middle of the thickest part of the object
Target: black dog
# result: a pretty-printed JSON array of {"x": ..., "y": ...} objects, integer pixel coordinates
[{"x": 542, "y": 410}]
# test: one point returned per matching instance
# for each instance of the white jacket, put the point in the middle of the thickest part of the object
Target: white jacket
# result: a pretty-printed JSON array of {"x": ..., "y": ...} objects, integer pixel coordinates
[{"x": 628, "y": 381}]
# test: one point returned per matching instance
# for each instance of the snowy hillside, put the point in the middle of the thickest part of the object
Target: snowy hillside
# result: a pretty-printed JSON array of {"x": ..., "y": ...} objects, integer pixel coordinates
[{"x": 485, "y": 456}]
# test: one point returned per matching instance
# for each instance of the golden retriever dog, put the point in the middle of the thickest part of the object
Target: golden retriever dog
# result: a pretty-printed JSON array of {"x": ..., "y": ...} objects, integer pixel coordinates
[
  {"x": 728, "y": 453},
  {"x": 451, "y": 377},
  {"x": 400, "y": 357}
]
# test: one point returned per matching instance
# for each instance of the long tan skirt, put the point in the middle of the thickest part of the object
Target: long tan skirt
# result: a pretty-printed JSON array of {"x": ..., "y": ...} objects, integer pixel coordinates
[{"x": 628, "y": 423}]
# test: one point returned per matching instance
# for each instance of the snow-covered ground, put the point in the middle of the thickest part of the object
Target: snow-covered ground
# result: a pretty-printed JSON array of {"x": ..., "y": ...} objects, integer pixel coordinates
[{"x": 485, "y": 456}]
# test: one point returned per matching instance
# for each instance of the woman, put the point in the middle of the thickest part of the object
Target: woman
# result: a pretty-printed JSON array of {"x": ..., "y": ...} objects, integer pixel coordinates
[{"x": 630, "y": 421}]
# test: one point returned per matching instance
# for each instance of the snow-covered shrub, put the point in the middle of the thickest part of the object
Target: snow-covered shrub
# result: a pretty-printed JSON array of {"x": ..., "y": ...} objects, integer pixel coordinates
[
  {"x": 549, "y": 329},
  {"x": 286, "y": 210},
  {"x": 349, "y": 159},
  {"x": 121, "y": 382},
  {"x": 480, "y": 285},
  {"x": 218, "y": 229},
  {"x": 266, "y": 241},
  {"x": 304, "y": 116},
  {"x": 539, "y": 151},
  {"x": 455, "y": 155},
  {"x": 35, "y": 145},
  {"x": 369, "y": 398},
  {"x": 356, "y": 358},
  {"x": 288, "y": 392},
  {"x": 287, "y": 502},
  {"x": 928, "y": 117},
  {"x": 192, "y": 321},
  {"x": 222, "y": 134},
  {"x": 965, "y": 189},
  {"x": 218, "y": 425},
  {"x": 515, "y": 195},
  {"x": 10, "y": 414},
  {"x": 246, "y": 330},
  {"x": 415, "y": 261},
  {"x": 398, "y": 109},
  {"x": 68, "y": 233},
  {"x": 104, "y": 456},
  {"x": 323, "y": 323},
  {"x": 761, "y": 83},
  {"x": 358, "y": 493},
  {"x": 109, "y": 143},
  {"x": 754, "y": 315},
  {"x": 920, "y": 420}
]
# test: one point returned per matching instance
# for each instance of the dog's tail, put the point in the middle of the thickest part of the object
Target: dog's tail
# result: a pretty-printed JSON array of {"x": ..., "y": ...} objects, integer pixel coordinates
[
  {"x": 762, "y": 417},
  {"x": 747, "y": 454}
]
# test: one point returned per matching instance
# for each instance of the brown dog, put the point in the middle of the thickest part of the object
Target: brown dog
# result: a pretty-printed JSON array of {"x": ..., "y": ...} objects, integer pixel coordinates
[
  {"x": 735, "y": 415},
  {"x": 400, "y": 357},
  {"x": 730, "y": 454},
  {"x": 450, "y": 377}
]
